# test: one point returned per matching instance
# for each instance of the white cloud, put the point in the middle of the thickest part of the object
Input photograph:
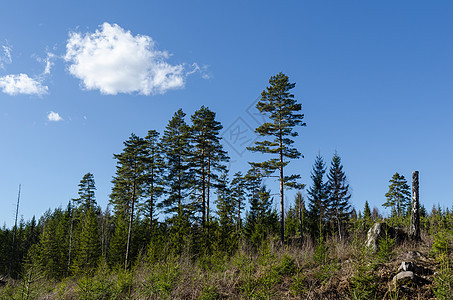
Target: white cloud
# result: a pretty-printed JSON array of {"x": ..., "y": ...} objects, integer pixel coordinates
[
  {"x": 49, "y": 63},
  {"x": 54, "y": 117},
  {"x": 196, "y": 68},
  {"x": 114, "y": 61},
  {"x": 5, "y": 57},
  {"x": 21, "y": 84}
]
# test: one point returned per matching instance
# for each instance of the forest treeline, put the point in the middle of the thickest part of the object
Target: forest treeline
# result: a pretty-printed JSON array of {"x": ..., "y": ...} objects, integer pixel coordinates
[{"x": 172, "y": 195}]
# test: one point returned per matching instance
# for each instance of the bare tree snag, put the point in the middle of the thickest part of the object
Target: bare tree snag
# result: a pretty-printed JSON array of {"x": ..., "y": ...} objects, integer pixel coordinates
[{"x": 414, "y": 229}]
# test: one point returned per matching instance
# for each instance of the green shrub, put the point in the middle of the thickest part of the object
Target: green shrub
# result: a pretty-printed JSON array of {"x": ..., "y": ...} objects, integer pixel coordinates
[
  {"x": 443, "y": 281},
  {"x": 209, "y": 293},
  {"x": 441, "y": 245},
  {"x": 299, "y": 285},
  {"x": 385, "y": 249},
  {"x": 287, "y": 266},
  {"x": 161, "y": 280},
  {"x": 321, "y": 253}
]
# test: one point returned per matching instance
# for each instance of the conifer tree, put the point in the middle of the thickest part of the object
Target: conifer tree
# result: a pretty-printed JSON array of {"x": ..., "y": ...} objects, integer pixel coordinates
[
  {"x": 226, "y": 236},
  {"x": 317, "y": 197},
  {"x": 301, "y": 212},
  {"x": 260, "y": 219},
  {"x": 339, "y": 208},
  {"x": 154, "y": 186},
  {"x": 238, "y": 191},
  {"x": 87, "y": 188},
  {"x": 54, "y": 243},
  {"x": 398, "y": 196},
  {"x": 279, "y": 105},
  {"x": 208, "y": 156},
  {"x": 85, "y": 242},
  {"x": 367, "y": 215},
  {"x": 178, "y": 178},
  {"x": 128, "y": 185},
  {"x": 367, "y": 212},
  {"x": 89, "y": 246}
]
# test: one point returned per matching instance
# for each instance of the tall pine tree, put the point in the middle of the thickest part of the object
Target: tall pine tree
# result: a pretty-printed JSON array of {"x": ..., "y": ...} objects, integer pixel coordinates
[
  {"x": 208, "y": 157},
  {"x": 128, "y": 189},
  {"x": 178, "y": 178},
  {"x": 154, "y": 185},
  {"x": 279, "y": 105},
  {"x": 87, "y": 188}
]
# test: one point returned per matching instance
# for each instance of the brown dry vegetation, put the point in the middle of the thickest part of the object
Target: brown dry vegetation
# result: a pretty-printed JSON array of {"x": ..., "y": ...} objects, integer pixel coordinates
[{"x": 333, "y": 270}]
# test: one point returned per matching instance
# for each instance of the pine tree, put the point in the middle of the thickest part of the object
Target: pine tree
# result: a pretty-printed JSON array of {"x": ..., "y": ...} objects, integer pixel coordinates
[
  {"x": 339, "y": 208},
  {"x": 317, "y": 197},
  {"x": 281, "y": 108},
  {"x": 178, "y": 178},
  {"x": 128, "y": 184},
  {"x": 238, "y": 191},
  {"x": 398, "y": 196},
  {"x": 87, "y": 198},
  {"x": 208, "y": 156},
  {"x": 154, "y": 185}
]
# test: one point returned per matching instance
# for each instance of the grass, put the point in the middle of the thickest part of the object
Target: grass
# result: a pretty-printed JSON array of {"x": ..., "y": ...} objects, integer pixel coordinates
[{"x": 327, "y": 270}]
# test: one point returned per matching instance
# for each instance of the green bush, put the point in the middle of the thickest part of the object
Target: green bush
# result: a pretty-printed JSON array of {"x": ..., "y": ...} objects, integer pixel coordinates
[
  {"x": 441, "y": 245},
  {"x": 209, "y": 293},
  {"x": 299, "y": 285},
  {"x": 321, "y": 253},
  {"x": 287, "y": 266},
  {"x": 161, "y": 280},
  {"x": 443, "y": 281},
  {"x": 385, "y": 249}
]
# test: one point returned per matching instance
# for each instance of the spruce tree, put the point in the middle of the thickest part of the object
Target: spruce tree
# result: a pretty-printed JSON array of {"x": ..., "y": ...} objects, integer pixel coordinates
[
  {"x": 367, "y": 212},
  {"x": 339, "y": 208},
  {"x": 226, "y": 236},
  {"x": 279, "y": 105},
  {"x": 398, "y": 196},
  {"x": 317, "y": 197},
  {"x": 89, "y": 245},
  {"x": 260, "y": 220},
  {"x": 367, "y": 215},
  {"x": 85, "y": 242},
  {"x": 301, "y": 213}
]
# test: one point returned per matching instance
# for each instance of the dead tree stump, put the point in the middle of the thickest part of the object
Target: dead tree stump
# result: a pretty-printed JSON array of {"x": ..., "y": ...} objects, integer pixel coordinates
[{"x": 414, "y": 229}]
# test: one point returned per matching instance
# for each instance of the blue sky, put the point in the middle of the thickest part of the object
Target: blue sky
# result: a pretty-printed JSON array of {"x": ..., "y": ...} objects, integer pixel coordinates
[{"x": 78, "y": 77}]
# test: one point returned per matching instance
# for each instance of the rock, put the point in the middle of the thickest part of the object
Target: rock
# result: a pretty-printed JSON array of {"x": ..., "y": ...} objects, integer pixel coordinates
[
  {"x": 373, "y": 236},
  {"x": 380, "y": 230},
  {"x": 406, "y": 266},
  {"x": 404, "y": 277},
  {"x": 410, "y": 266}
]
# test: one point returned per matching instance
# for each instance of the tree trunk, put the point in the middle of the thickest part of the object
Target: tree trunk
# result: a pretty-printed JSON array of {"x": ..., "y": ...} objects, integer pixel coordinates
[
  {"x": 131, "y": 218},
  {"x": 282, "y": 206},
  {"x": 208, "y": 191},
  {"x": 301, "y": 222},
  {"x": 414, "y": 229}
]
